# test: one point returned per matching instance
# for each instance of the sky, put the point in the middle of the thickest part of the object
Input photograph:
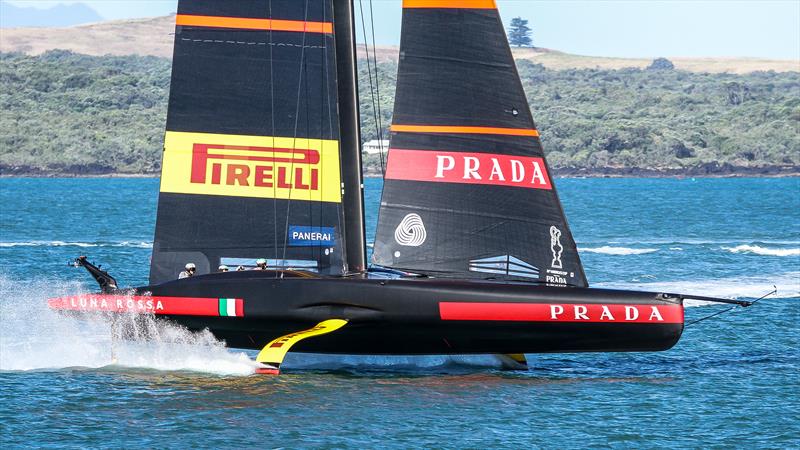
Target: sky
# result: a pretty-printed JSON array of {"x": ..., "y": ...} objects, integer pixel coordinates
[{"x": 622, "y": 28}]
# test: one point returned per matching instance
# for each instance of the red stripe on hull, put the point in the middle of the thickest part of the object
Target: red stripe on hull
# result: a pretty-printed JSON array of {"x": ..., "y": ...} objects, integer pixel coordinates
[
  {"x": 178, "y": 306},
  {"x": 561, "y": 312}
]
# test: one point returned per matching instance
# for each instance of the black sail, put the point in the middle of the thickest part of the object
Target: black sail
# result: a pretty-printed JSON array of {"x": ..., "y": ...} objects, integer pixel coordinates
[
  {"x": 252, "y": 161},
  {"x": 467, "y": 190}
]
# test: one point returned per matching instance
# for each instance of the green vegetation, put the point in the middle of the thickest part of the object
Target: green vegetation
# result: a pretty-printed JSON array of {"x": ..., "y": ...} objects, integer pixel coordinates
[
  {"x": 63, "y": 113},
  {"x": 665, "y": 118},
  {"x": 68, "y": 113}
]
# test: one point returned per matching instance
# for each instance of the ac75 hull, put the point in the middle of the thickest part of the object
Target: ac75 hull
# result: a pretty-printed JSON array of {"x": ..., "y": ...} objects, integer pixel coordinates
[{"x": 405, "y": 315}]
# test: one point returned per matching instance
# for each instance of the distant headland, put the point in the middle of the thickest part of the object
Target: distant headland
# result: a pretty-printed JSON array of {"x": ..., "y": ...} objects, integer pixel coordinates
[{"x": 91, "y": 101}]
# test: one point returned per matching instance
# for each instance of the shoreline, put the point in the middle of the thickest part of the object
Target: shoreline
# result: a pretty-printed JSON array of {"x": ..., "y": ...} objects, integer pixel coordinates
[
  {"x": 707, "y": 170},
  {"x": 556, "y": 174}
]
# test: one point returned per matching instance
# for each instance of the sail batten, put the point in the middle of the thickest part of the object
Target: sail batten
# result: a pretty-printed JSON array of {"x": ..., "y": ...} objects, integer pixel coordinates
[
  {"x": 468, "y": 191},
  {"x": 407, "y": 128},
  {"x": 247, "y": 23},
  {"x": 450, "y": 4}
]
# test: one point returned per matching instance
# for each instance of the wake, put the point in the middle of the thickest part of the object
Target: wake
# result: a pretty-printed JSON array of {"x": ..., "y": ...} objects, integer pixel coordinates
[
  {"x": 763, "y": 251},
  {"x": 130, "y": 244},
  {"x": 33, "y": 337},
  {"x": 754, "y": 248},
  {"x": 788, "y": 285},
  {"x": 608, "y": 250}
]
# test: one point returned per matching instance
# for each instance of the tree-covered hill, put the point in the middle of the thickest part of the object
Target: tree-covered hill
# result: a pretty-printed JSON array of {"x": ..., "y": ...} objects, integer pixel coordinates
[
  {"x": 65, "y": 113},
  {"x": 76, "y": 114}
]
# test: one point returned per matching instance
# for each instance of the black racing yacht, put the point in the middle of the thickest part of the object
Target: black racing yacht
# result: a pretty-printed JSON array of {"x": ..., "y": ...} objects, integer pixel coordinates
[{"x": 262, "y": 159}]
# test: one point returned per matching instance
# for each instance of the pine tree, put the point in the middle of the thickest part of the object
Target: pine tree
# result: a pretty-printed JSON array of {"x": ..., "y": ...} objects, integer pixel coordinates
[{"x": 519, "y": 33}]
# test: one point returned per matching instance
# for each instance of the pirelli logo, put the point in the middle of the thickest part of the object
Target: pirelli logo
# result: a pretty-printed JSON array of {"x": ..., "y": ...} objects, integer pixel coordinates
[{"x": 251, "y": 166}]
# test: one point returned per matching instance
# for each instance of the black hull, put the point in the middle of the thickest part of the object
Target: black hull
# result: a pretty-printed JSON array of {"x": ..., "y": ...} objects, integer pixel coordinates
[{"x": 404, "y": 316}]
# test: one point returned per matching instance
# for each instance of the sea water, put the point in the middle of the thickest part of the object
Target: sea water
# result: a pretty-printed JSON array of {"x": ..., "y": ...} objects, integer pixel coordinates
[{"x": 732, "y": 381}]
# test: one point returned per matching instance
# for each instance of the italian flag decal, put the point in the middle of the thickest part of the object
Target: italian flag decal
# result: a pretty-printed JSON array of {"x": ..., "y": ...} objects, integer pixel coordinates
[{"x": 231, "y": 307}]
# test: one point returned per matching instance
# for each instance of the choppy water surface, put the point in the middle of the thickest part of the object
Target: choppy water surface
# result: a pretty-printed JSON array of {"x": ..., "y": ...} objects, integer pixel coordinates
[{"x": 731, "y": 381}]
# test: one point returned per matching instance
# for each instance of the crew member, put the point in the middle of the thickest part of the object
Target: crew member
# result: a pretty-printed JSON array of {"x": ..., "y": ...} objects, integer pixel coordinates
[
  {"x": 261, "y": 264},
  {"x": 223, "y": 268},
  {"x": 189, "y": 272},
  {"x": 240, "y": 269}
]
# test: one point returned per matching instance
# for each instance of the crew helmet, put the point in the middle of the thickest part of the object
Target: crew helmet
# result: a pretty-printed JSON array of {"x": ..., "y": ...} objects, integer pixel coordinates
[
  {"x": 261, "y": 262},
  {"x": 223, "y": 268},
  {"x": 190, "y": 266}
]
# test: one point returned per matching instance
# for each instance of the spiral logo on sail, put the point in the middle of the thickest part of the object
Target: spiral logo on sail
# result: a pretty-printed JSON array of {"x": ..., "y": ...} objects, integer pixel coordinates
[{"x": 411, "y": 231}]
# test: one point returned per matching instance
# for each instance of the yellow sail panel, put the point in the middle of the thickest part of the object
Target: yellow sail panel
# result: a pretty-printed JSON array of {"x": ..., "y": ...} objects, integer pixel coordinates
[{"x": 251, "y": 166}]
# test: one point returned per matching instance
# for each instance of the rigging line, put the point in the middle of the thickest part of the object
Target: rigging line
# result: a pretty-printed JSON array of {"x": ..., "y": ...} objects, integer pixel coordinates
[
  {"x": 294, "y": 134},
  {"x": 379, "y": 121},
  {"x": 272, "y": 120},
  {"x": 327, "y": 99},
  {"x": 369, "y": 72},
  {"x": 311, "y": 204},
  {"x": 323, "y": 93},
  {"x": 774, "y": 290}
]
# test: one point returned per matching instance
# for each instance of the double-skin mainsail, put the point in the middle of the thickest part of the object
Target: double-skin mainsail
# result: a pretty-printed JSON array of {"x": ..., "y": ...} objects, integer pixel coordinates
[{"x": 261, "y": 156}]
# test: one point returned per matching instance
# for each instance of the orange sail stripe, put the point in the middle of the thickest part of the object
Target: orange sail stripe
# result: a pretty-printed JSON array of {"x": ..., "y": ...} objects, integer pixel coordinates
[
  {"x": 253, "y": 24},
  {"x": 465, "y": 130},
  {"x": 465, "y": 4}
]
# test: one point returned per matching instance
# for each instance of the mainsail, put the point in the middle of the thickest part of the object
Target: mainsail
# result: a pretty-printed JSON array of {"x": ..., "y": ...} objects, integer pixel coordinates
[
  {"x": 467, "y": 190},
  {"x": 252, "y": 164}
]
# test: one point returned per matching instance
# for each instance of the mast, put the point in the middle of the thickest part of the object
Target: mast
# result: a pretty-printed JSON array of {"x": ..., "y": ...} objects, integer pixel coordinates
[{"x": 350, "y": 135}]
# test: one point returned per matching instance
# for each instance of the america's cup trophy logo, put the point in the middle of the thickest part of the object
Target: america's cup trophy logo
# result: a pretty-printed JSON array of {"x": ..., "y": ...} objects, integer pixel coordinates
[{"x": 556, "y": 247}]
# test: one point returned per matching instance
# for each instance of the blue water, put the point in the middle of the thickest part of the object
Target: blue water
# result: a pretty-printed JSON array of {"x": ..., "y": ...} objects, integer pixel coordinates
[{"x": 731, "y": 381}]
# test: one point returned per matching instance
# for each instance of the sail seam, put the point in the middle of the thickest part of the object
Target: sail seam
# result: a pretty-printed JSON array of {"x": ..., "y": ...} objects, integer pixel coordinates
[
  {"x": 278, "y": 44},
  {"x": 467, "y": 62},
  {"x": 464, "y": 130}
]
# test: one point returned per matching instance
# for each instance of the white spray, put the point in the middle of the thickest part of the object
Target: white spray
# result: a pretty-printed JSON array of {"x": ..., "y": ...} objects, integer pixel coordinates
[{"x": 32, "y": 337}]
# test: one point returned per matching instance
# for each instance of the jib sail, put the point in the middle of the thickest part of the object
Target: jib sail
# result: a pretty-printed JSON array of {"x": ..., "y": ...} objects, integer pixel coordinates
[
  {"x": 467, "y": 190},
  {"x": 252, "y": 166}
]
